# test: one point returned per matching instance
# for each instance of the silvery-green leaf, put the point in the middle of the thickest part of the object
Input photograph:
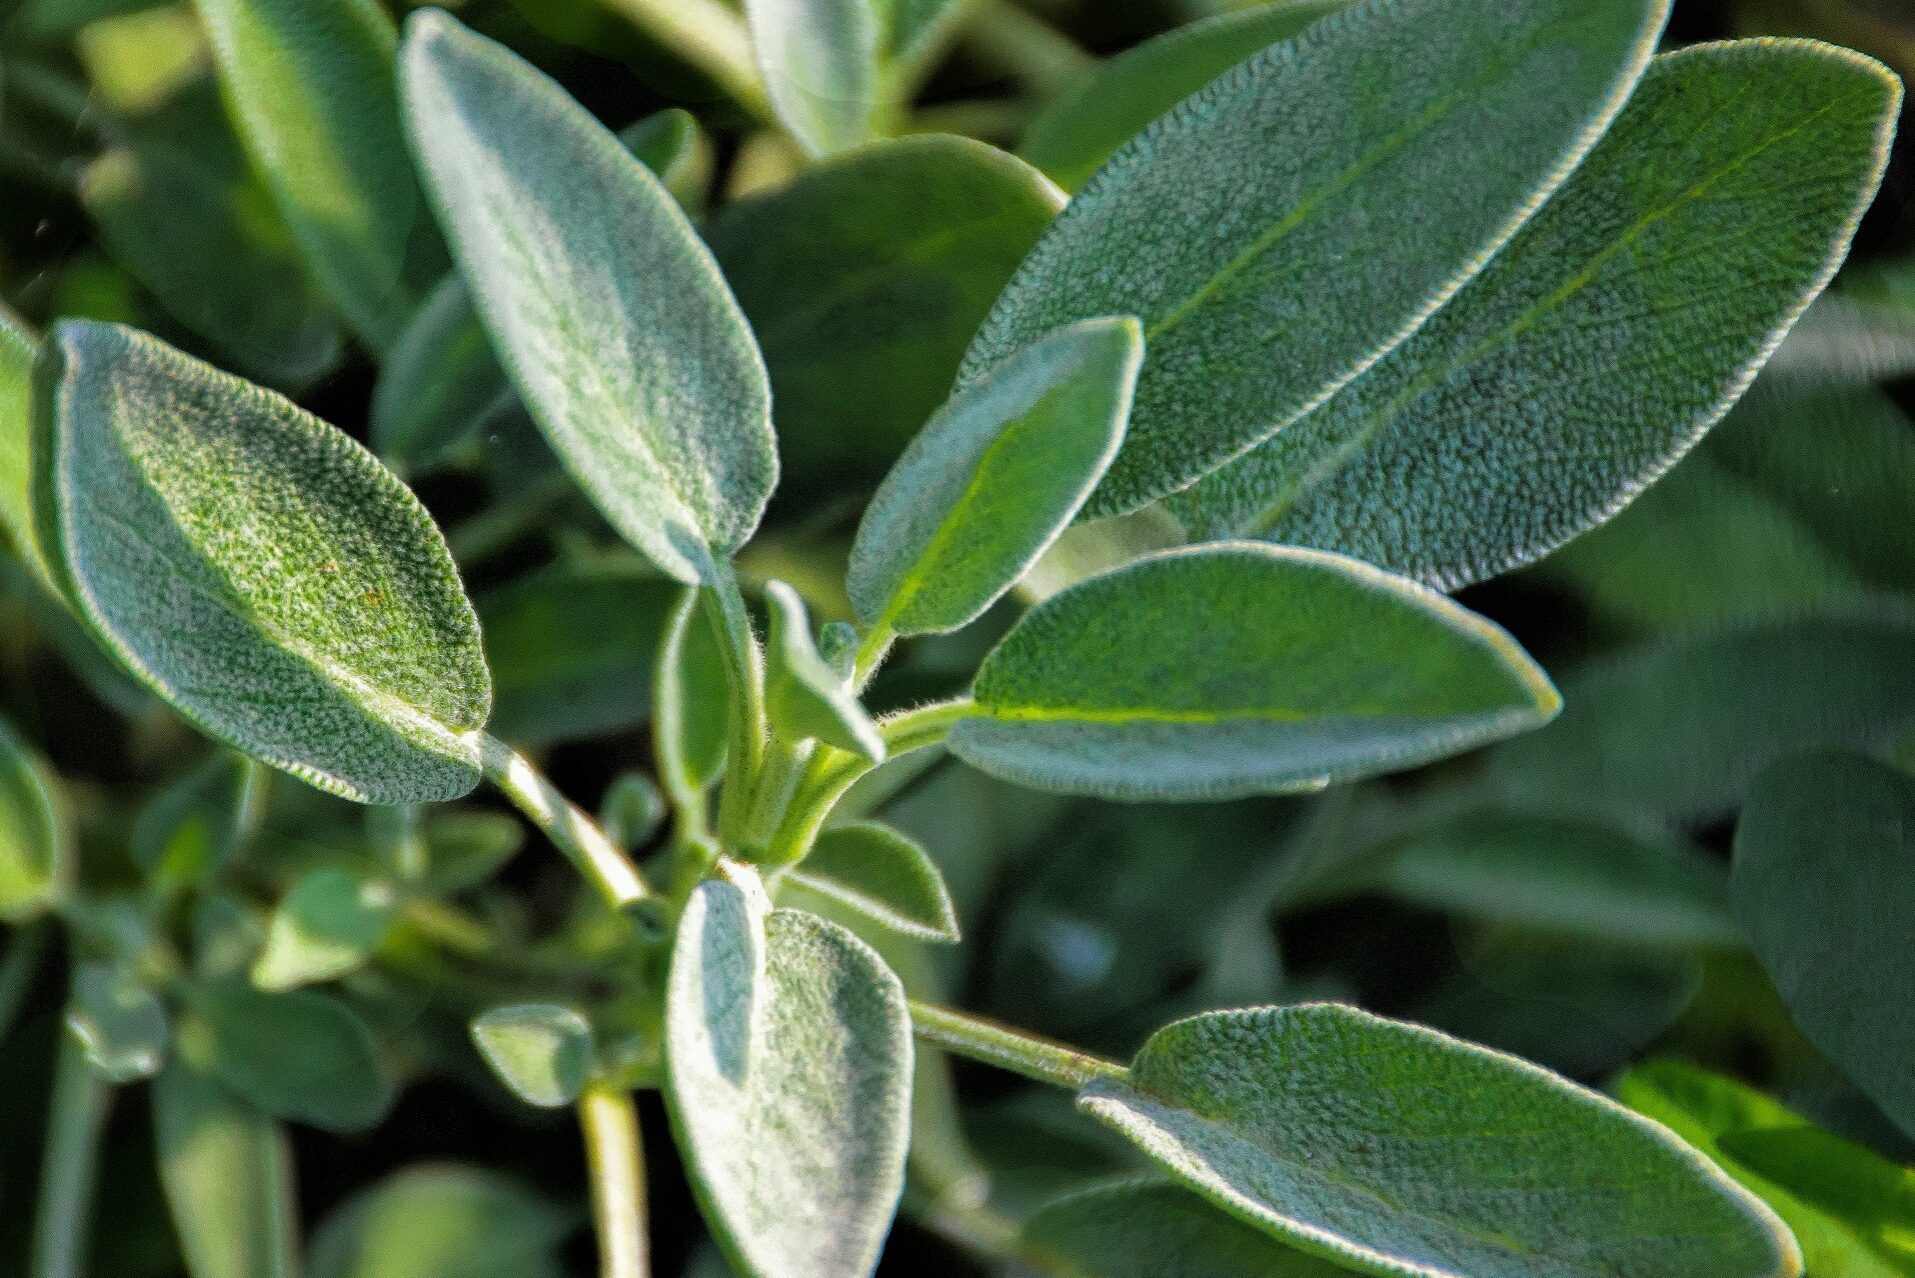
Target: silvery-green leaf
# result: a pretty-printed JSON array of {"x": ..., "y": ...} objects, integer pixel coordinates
[
  {"x": 1241, "y": 669},
  {"x": 993, "y": 479},
  {"x": 1073, "y": 136},
  {"x": 259, "y": 570},
  {"x": 34, "y": 856},
  {"x": 228, "y": 1175},
  {"x": 298, "y": 1055},
  {"x": 874, "y": 269},
  {"x": 604, "y": 306},
  {"x": 1824, "y": 886},
  {"x": 882, "y": 875},
  {"x": 788, "y": 1078},
  {"x": 1147, "y": 1229},
  {"x": 690, "y": 704},
  {"x": 542, "y": 1051},
  {"x": 119, "y": 1021},
  {"x": 1243, "y": 227},
  {"x": 1617, "y": 326},
  {"x": 327, "y": 924},
  {"x": 310, "y": 85},
  {"x": 820, "y": 63},
  {"x": 18, "y": 346},
  {"x": 1394, "y": 1150},
  {"x": 441, "y": 1220},
  {"x": 804, "y": 697}
]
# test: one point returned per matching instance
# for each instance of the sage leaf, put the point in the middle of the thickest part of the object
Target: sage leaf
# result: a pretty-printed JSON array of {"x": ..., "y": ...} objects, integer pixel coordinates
[
  {"x": 35, "y": 858},
  {"x": 1230, "y": 226},
  {"x": 259, "y": 570},
  {"x": 1392, "y": 1149},
  {"x": 191, "y": 830},
  {"x": 1774, "y": 147},
  {"x": 1073, "y": 136},
  {"x": 542, "y": 1051},
  {"x": 993, "y": 479},
  {"x": 18, "y": 349},
  {"x": 228, "y": 1175},
  {"x": 1839, "y": 955},
  {"x": 606, "y": 309},
  {"x": 301, "y": 1056},
  {"x": 119, "y": 1021},
  {"x": 310, "y": 85},
  {"x": 441, "y": 1221},
  {"x": 805, "y": 698},
  {"x": 883, "y": 875},
  {"x": 1144, "y": 1229},
  {"x": 788, "y": 1079},
  {"x": 690, "y": 705},
  {"x": 820, "y": 63},
  {"x": 1868, "y": 1192},
  {"x": 633, "y": 810},
  {"x": 466, "y": 848},
  {"x": 874, "y": 269},
  {"x": 328, "y": 924},
  {"x": 1241, "y": 669}
]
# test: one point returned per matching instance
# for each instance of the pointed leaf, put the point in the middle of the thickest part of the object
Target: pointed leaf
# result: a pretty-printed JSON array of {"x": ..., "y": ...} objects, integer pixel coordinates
[
  {"x": 884, "y": 876},
  {"x": 610, "y": 315},
  {"x": 34, "y": 858},
  {"x": 1242, "y": 669},
  {"x": 690, "y": 704},
  {"x": 1392, "y": 1149},
  {"x": 119, "y": 1022},
  {"x": 327, "y": 925},
  {"x": 300, "y": 1056},
  {"x": 1622, "y": 289},
  {"x": 1150, "y": 1230},
  {"x": 788, "y": 1077},
  {"x": 259, "y": 570},
  {"x": 1231, "y": 226},
  {"x": 993, "y": 479},
  {"x": 228, "y": 1175},
  {"x": 804, "y": 697},
  {"x": 542, "y": 1051},
  {"x": 441, "y": 1221},
  {"x": 820, "y": 63}
]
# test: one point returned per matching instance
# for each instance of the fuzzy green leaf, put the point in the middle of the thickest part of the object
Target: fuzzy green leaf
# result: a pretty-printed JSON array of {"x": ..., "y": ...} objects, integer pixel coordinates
[
  {"x": 820, "y": 63},
  {"x": 119, "y": 1021},
  {"x": 604, "y": 306},
  {"x": 542, "y": 1051},
  {"x": 1242, "y": 228},
  {"x": 788, "y": 1077},
  {"x": 690, "y": 704},
  {"x": 34, "y": 858},
  {"x": 1073, "y": 136},
  {"x": 259, "y": 570},
  {"x": 1842, "y": 955},
  {"x": 993, "y": 479},
  {"x": 310, "y": 85},
  {"x": 326, "y": 925},
  {"x": 874, "y": 269},
  {"x": 805, "y": 698},
  {"x": 299, "y": 1055},
  {"x": 884, "y": 876},
  {"x": 18, "y": 347},
  {"x": 1240, "y": 669},
  {"x": 441, "y": 1221},
  {"x": 228, "y": 1175},
  {"x": 633, "y": 810},
  {"x": 1609, "y": 334},
  {"x": 1392, "y": 1149},
  {"x": 1150, "y": 1230}
]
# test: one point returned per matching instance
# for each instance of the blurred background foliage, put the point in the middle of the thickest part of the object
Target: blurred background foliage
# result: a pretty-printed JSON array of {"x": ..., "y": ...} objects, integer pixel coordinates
[{"x": 1562, "y": 896}]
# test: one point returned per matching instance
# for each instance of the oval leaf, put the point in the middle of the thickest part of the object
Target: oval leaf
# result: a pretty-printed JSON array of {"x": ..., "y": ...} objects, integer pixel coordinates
[
  {"x": 820, "y": 63},
  {"x": 259, "y": 570},
  {"x": 691, "y": 700},
  {"x": 328, "y": 924},
  {"x": 1242, "y": 669},
  {"x": 1242, "y": 228},
  {"x": 441, "y": 1221},
  {"x": 1148, "y": 1230},
  {"x": 604, "y": 306},
  {"x": 884, "y": 876},
  {"x": 300, "y": 1056},
  {"x": 541, "y": 1051},
  {"x": 993, "y": 479},
  {"x": 228, "y": 1175},
  {"x": 1395, "y": 1150},
  {"x": 804, "y": 697},
  {"x": 33, "y": 854},
  {"x": 119, "y": 1021}
]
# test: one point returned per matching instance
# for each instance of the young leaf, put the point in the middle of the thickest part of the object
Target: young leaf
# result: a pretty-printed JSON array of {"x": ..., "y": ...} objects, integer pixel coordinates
[
  {"x": 632, "y": 810},
  {"x": 804, "y": 697},
  {"x": 326, "y": 925},
  {"x": 1842, "y": 954},
  {"x": 441, "y": 1221},
  {"x": 874, "y": 269},
  {"x": 119, "y": 1022},
  {"x": 464, "y": 848},
  {"x": 1145, "y": 1229},
  {"x": 228, "y": 1176},
  {"x": 993, "y": 479},
  {"x": 18, "y": 347},
  {"x": 1392, "y": 1149},
  {"x": 1242, "y": 669},
  {"x": 1429, "y": 464},
  {"x": 610, "y": 315},
  {"x": 690, "y": 704},
  {"x": 300, "y": 1056},
  {"x": 1073, "y": 136},
  {"x": 310, "y": 85},
  {"x": 259, "y": 570},
  {"x": 788, "y": 1078},
  {"x": 820, "y": 63},
  {"x": 1242, "y": 227},
  {"x": 884, "y": 876},
  {"x": 33, "y": 853},
  {"x": 542, "y": 1051}
]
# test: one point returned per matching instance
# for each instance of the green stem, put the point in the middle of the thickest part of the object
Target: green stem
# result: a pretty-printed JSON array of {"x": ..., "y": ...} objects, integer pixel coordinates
[
  {"x": 617, "y": 1163},
  {"x": 76, "y": 1119},
  {"x": 710, "y": 37},
  {"x": 570, "y": 830},
  {"x": 1035, "y": 1058},
  {"x": 745, "y": 672}
]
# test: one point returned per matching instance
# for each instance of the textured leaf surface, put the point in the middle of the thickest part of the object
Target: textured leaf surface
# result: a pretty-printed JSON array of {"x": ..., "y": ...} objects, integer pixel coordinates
[
  {"x": 259, "y": 570},
  {"x": 327, "y": 924},
  {"x": 993, "y": 479},
  {"x": 804, "y": 697},
  {"x": 1611, "y": 332},
  {"x": 691, "y": 704},
  {"x": 299, "y": 1056},
  {"x": 1073, "y": 137},
  {"x": 1230, "y": 226},
  {"x": 1237, "y": 669},
  {"x": 1842, "y": 955},
  {"x": 33, "y": 854},
  {"x": 542, "y": 1051},
  {"x": 874, "y": 269},
  {"x": 884, "y": 876},
  {"x": 310, "y": 84},
  {"x": 606, "y": 309},
  {"x": 1396, "y": 1150},
  {"x": 1148, "y": 1230},
  {"x": 441, "y": 1221},
  {"x": 788, "y": 1075},
  {"x": 820, "y": 63},
  {"x": 228, "y": 1176}
]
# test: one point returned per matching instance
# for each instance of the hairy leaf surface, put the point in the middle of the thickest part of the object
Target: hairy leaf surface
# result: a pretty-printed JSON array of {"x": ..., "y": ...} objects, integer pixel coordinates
[
  {"x": 882, "y": 875},
  {"x": 804, "y": 697}
]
